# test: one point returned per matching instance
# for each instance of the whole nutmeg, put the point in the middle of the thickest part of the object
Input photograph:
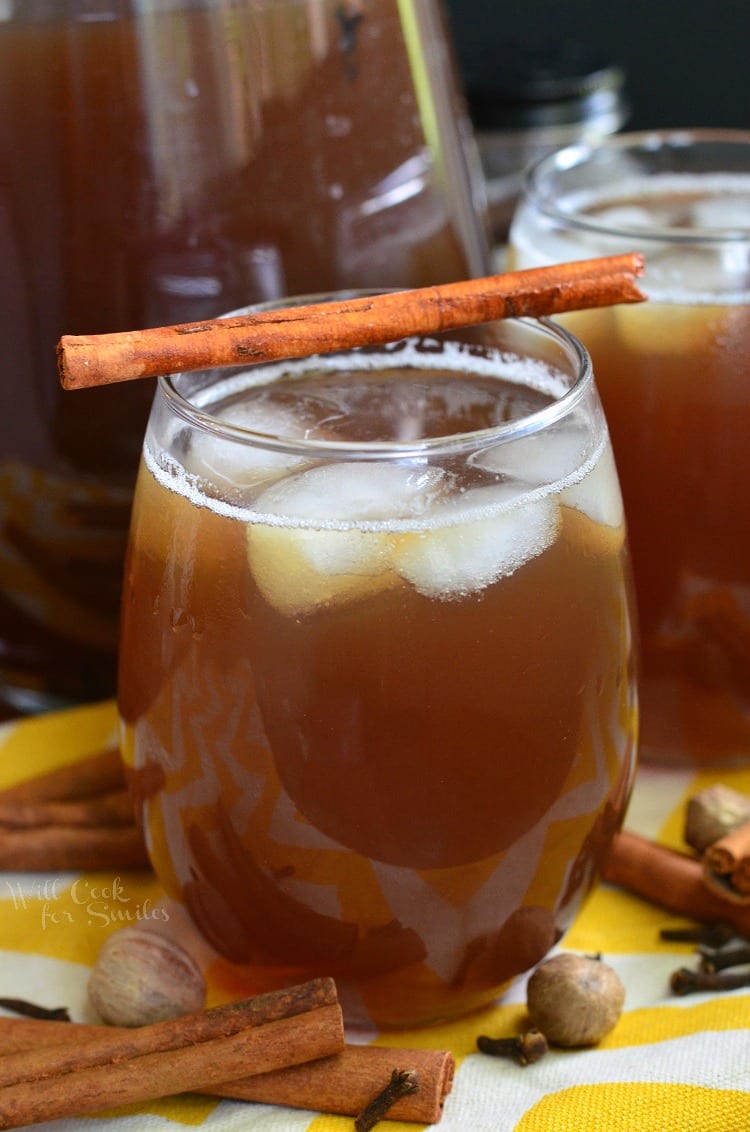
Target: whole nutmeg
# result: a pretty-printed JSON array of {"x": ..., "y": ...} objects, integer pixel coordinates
[
  {"x": 713, "y": 813},
  {"x": 574, "y": 1000},
  {"x": 141, "y": 977}
]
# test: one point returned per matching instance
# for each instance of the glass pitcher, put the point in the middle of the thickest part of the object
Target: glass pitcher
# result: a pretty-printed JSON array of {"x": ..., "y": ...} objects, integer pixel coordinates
[{"x": 163, "y": 161}]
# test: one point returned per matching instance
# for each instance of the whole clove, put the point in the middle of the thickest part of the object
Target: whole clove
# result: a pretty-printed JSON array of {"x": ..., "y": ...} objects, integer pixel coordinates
[
  {"x": 684, "y": 981},
  {"x": 715, "y": 934},
  {"x": 33, "y": 1010},
  {"x": 719, "y": 959},
  {"x": 524, "y": 1049},
  {"x": 402, "y": 1083}
]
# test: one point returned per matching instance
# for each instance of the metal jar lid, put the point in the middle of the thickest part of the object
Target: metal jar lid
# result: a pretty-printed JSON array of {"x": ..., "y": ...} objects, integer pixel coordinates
[{"x": 535, "y": 85}]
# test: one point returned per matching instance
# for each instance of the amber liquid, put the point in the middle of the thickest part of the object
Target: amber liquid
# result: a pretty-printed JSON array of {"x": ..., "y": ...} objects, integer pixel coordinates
[
  {"x": 673, "y": 380},
  {"x": 410, "y": 792},
  {"x": 166, "y": 167},
  {"x": 672, "y": 375}
]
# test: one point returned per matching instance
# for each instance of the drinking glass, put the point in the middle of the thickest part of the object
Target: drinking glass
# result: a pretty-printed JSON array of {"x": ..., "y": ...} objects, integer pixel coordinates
[
  {"x": 376, "y": 679},
  {"x": 673, "y": 376},
  {"x": 162, "y": 162}
]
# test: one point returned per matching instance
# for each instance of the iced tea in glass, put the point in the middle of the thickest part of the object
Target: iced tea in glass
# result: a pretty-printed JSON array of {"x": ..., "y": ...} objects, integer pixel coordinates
[
  {"x": 673, "y": 376},
  {"x": 376, "y": 673}
]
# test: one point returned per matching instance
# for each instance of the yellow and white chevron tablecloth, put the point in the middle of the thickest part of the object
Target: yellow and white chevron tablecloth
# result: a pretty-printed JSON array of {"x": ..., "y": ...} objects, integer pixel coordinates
[{"x": 670, "y": 1065}]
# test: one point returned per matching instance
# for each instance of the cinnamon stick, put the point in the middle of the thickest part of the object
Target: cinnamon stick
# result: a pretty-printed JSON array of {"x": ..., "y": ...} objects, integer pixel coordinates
[
  {"x": 722, "y": 856},
  {"x": 726, "y": 865},
  {"x": 345, "y": 1084},
  {"x": 98, "y": 773},
  {"x": 55, "y": 848},
  {"x": 78, "y": 817},
  {"x": 341, "y": 1084},
  {"x": 114, "y": 808},
  {"x": 196, "y": 1051},
  {"x": 298, "y": 331},
  {"x": 671, "y": 879},
  {"x": 741, "y": 879}
]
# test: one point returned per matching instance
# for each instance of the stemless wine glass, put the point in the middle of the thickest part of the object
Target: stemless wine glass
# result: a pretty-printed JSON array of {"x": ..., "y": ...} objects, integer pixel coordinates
[
  {"x": 673, "y": 377},
  {"x": 376, "y": 665}
]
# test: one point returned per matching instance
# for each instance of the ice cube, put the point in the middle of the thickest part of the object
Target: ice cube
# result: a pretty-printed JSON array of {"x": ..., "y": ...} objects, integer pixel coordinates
[
  {"x": 598, "y": 493},
  {"x": 475, "y": 539},
  {"x": 697, "y": 273},
  {"x": 614, "y": 230},
  {"x": 299, "y": 570},
  {"x": 532, "y": 247},
  {"x": 729, "y": 212},
  {"x": 542, "y": 458},
  {"x": 352, "y": 493},
  {"x": 239, "y": 465},
  {"x": 313, "y": 552},
  {"x": 625, "y": 217}
]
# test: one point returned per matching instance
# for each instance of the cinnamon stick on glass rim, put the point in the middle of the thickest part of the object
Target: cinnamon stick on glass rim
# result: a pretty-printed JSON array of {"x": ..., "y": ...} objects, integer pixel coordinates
[{"x": 319, "y": 328}]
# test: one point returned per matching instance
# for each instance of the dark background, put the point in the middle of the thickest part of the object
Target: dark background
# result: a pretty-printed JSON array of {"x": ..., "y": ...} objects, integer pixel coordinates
[{"x": 687, "y": 62}]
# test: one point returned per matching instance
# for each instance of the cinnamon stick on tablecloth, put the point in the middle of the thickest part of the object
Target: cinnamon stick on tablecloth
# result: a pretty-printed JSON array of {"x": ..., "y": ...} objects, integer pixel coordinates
[
  {"x": 197, "y": 1051},
  {"x": 61, "y": 848},
  {"x": 78, "y": 816},
  {"x": 341, "y": 1084},
  {"x": 298, "y": 331},
  {"x": 671, "y": 879},
  {"x": 741, "y": 879},
  {"x": 97, "y": 773},
  {"x": 113, "y": 808},
  {"x": 726, "y": 865}
]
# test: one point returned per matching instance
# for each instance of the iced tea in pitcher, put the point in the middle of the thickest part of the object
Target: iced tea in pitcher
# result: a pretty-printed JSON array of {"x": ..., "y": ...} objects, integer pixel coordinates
[
  {"x": 163, "y": 163},
  {"x": 377, "y": 676},
  {"x": 673, "y": 377}
]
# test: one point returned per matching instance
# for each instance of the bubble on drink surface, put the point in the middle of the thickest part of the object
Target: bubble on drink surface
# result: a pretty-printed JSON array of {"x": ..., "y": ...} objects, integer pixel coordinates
[
  {"x": 542, "y": 458},
  {"x": 597, "y": 493},
  {"x": 225, "y": 462},
  {"x": 327, "y": 534},
  {"x": 476, "y": 538}
]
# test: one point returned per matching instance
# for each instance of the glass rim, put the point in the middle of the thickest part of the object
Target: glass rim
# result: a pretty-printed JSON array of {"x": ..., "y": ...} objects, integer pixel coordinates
[
  {"x": 195, "y": 415},
  {"x": 644, "y": 141}
]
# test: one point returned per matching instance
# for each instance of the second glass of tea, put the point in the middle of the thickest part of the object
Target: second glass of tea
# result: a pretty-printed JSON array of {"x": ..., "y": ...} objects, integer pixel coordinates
[
  {"x": 377, "y": 682},
  {"x": 674, "y": 381}
]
